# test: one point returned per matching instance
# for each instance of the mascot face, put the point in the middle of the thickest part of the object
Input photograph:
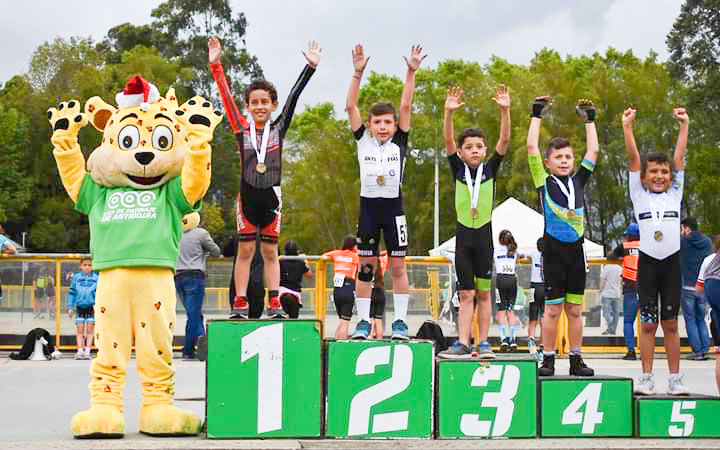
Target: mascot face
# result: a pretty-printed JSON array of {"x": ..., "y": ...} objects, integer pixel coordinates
[{"x": 139, "y": 149}]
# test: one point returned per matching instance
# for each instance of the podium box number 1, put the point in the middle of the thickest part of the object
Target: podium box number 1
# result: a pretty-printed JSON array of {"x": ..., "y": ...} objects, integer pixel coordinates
[{"x": 264, "y": 379}]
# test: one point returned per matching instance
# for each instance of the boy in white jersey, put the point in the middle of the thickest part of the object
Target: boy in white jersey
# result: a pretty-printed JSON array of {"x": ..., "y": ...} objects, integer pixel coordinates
[
  {"x": 656, "y": 196},
  {"x": 381, "y": 148}
]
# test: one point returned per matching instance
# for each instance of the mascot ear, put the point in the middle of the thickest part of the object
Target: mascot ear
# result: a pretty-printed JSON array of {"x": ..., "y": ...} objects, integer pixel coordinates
[
  {"x": 172, "y": 99},
  {"x": 99, "y": 112}
]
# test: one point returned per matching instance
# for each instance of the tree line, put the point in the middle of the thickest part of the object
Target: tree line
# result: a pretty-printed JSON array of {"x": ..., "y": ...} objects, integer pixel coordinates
[{"x": 321, "y": 179}]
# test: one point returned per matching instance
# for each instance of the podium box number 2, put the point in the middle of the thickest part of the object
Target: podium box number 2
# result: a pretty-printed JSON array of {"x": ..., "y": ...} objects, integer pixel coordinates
[
  {"x": 586, "y": 407},
  {"x": 489, "y": 400},
  {"x": 264, "y": 379},
  {"x": 687, "y": 416},
  {"x": 380, "y": 389}
]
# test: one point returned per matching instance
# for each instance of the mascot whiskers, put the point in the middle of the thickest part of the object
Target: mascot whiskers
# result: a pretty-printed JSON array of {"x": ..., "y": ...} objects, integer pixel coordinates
[{"x": 152, "y": 167}]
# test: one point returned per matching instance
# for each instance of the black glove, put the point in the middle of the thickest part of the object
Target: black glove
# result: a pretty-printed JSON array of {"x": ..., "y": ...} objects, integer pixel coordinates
[
  {"x": 540, "y": 106},
  {"x": 586, "y": 110}
]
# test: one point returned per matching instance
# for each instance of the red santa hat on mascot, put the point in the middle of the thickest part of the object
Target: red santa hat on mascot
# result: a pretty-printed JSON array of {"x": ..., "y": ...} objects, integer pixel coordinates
[{"x": 137, "y": 92}]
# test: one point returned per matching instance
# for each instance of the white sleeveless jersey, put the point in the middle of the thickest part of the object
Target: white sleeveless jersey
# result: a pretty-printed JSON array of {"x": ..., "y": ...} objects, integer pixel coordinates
[
  {"x": 504, "y": 263},
  {"x": 536, "y": 273},
  {"x": 386, "y": 161}
]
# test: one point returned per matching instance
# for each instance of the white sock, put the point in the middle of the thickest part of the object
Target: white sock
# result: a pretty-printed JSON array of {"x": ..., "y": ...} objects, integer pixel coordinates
[
  {"x": 401, "y": 306},
  {"x": 363, "y": 308}
]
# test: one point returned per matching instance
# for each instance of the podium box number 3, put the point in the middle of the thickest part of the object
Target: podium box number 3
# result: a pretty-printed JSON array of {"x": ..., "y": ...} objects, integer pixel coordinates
[{"x": 264, "y": 379}]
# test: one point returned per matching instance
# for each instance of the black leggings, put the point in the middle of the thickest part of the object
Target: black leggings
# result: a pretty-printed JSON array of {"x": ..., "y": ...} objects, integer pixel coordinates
[{"x": 507, "y": 286}]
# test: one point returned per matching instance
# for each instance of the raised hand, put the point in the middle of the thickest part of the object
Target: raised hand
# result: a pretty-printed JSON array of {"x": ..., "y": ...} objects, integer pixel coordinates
[
  {"x": 453, "y": 101},
  {"x": 359, "y": 59},
  {"x": 586, "y": 110},
  {"x": 541, "y": 105},
  {"x": 415, "y": 59},
  {"x": 214, "y": 50},
  {"x": 680, "y": 114},
  {"x": 313, "y": 54},
  {"x": 628, "y": 117},
  {"x": 502, "y": 96}
]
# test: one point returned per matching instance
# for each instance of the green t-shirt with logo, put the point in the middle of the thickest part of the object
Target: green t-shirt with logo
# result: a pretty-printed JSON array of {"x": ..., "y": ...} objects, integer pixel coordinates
[{"x": 131, "y": 227}]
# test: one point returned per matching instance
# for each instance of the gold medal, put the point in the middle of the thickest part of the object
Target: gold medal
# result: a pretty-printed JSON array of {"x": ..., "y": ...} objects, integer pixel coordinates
[
  {"x": 381, "y": 180},
  {"x": 261, "y": 168},
  {"x": 473, "y": 212},
  {"x": 658, "y": 236},
  {"x": 571, "y": 214}
]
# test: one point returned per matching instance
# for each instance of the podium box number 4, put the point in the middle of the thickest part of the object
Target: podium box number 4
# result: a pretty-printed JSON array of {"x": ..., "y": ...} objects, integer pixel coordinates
[
  {"x": 380, "y": 389},
  {"x": 586, "y": 407},
  {"x": 264, "y": 379}
]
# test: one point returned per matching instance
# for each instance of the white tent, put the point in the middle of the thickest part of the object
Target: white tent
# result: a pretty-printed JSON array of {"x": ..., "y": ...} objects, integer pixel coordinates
[{"x": 526, "y": 225}]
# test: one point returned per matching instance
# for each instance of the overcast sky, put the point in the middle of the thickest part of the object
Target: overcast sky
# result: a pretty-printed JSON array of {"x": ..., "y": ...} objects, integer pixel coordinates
[{"x": 473, "y": 30}]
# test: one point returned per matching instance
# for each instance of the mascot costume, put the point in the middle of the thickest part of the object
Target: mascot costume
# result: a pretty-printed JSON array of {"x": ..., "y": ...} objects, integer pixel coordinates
[{"x": 152, "y": 167}]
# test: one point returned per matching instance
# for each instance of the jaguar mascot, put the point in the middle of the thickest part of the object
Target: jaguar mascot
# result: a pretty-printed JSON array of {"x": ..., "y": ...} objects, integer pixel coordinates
[{"x": 151, "y": 168}]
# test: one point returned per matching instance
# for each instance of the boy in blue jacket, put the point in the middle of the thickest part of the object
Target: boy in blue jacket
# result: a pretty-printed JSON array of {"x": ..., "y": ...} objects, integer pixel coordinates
[{"x": 81, "y": 299}]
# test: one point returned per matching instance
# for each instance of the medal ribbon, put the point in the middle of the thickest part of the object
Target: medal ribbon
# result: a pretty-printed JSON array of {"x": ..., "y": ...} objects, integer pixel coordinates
[
  {"x": 473, "y": 185},
  {"x": 568, "y": 192},
  {"x": 381, "y": 151},
  {"x": 264, "y": 143},
  {"x": 657, "y": 209}
]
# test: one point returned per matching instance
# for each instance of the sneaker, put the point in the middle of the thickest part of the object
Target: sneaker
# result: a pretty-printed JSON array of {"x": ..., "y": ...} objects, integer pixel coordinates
[
  {"x": 513, "y": 345},
  {"x": 532, "y": 346},
  {"x": 630, "y": 356},
  {"x": 188, "y": 357},
  {"x": 578, "y": 367},
  {"x": 240, "y": 308},
  {"x": 80, "y": 354},
  {"x": 540, "y": 353},
  {"x": 275, "y": 309},
  {"x": 505, "y": 345},
  {"x": 606, "y": 333},
  {"x": 645, "y": 384},
  {"x": 547, "y": 369},
  {"x": 676, "y": 385},
  {"x": 456, "y": 351},
  {"x": 698, "y": 357},
  {"x": 483, "y": 351},
  {"x": 399, "y": 330},
  {"x": 88, "y": 354},
  {"x": 362, "y": 330}
]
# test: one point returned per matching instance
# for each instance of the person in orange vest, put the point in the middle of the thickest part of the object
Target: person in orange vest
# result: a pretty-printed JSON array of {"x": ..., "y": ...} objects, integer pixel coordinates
[
  {"x": 629, "y": 253},
  {"x": 345, "y": 268}
]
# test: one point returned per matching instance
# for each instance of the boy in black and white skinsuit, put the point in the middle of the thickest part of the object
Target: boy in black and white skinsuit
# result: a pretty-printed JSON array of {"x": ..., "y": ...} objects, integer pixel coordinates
[{"x": 656, "y": 190}]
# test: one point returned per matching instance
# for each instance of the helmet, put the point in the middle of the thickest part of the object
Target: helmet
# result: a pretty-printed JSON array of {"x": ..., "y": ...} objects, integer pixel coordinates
[{"x": 632, "y": 230}]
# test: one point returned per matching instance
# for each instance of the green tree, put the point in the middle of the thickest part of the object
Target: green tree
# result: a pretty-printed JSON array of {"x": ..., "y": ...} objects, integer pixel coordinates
[{"x": 15, "y": 181}]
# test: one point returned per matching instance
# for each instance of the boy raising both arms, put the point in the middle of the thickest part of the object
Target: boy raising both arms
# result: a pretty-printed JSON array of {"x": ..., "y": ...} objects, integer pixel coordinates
[
  {"x": 656, "y": 194},
  {"x": 381, "y": 149},
  {"x": 259, "y": 201},
  {"x": 474, "y": 197},
  {"x": 562, "y": 196}
]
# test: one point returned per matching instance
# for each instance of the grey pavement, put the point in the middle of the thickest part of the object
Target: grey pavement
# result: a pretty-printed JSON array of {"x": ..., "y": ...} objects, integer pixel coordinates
[{"x": 38, "y": 399}]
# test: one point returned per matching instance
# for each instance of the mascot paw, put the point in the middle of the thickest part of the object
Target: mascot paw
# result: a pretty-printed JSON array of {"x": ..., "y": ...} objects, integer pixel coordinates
[
  {"x": 168, "y": 420},
  {"x": 199, "y": 117},
  {"x": 66, "y": 120},
  {"x": 98, "y": 422}
]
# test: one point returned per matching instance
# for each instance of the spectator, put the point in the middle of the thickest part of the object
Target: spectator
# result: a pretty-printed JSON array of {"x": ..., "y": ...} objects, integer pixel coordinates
[
  {"x": 80, "y": 301},
  {"x": 291, "y": 275},
  {"x": 629, "y": 252},
  {"x": 694, "y": 247},
  {"x": 610, "y": 292},
  {"x": 44, "y": 293},
  {"x": 195, "y": 247},
  {"x": 6, "y": 246}
]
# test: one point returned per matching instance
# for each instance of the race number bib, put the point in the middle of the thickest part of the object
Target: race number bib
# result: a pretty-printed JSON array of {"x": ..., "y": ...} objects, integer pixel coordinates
[
  {"x": 338, "y": 280},
  {"x": 402, "y": 233}
]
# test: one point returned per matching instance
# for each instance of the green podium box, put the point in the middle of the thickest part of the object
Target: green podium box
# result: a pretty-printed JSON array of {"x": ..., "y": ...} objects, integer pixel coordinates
[
  {"x": 665, "y": 416},
  {"x": 264, "y": 379},
  {"x": 489, "y": 400},
  {"x": 586, "y": 406},
  {"x": 380, "y": 389}
]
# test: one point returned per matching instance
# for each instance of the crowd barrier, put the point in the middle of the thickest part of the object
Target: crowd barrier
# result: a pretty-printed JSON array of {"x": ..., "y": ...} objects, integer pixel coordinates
[
  {"x": 25, "y": 305},
  {"x": 297, "y": 385}
]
